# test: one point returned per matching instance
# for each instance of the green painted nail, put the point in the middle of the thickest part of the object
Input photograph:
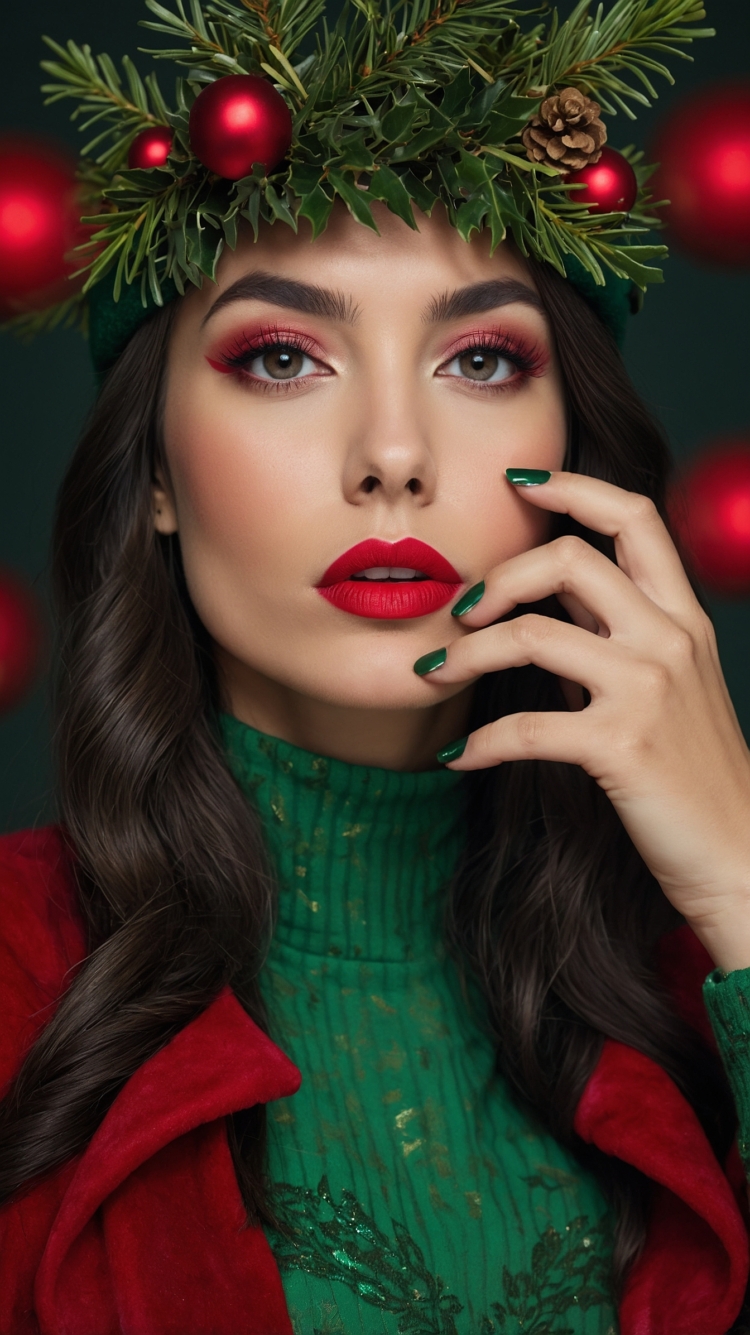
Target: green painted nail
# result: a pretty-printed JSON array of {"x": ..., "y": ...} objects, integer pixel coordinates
[
  {"x": 468, "y": 599},
  {"x": 452, "y": 751},
  {"x": 430, "y": 662},
  {"x": 527, "y": 477}
]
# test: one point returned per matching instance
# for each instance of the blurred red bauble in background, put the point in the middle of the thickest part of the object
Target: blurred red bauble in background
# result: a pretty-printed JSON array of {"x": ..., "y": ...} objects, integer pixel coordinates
[
  {"x": 703, "y": 149},
  {"x": 151, "y": 147},
  {"x": 710, "y": 511},
  {"x": 611, "y": 185},
  {"x": 238, "y": 120},
  {"x": 21, "y": 639},
  {"x": 39, "y": 224}
]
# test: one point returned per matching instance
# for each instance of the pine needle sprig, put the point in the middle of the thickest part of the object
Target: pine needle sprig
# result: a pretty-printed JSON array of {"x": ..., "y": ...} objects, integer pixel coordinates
[
  {"x": 122, "y": 111},
  {"x": 409, "y": 103},
  {"x": 606, "y": 54}
]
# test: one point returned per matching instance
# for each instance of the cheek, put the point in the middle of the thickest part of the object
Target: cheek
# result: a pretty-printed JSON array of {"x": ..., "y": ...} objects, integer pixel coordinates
[
  {"x": 529, "y": 432},
  {"x": 242, "y": 490},
  {"x": 238, "y": 485}
]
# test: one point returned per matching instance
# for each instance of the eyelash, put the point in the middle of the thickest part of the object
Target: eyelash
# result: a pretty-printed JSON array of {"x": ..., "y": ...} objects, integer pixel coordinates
[
  {"x": 235, "y": 358},
  {"x": 529, "y": 359}
]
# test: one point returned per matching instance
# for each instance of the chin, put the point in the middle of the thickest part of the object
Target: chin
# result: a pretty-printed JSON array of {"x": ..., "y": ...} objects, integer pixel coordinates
[
  {"x": 380, "y": 686},
  {"x": 378, "y": 696}
]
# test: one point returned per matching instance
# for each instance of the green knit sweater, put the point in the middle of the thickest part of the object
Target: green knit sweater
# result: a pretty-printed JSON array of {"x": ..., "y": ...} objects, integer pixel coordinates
[{"x": 418, "y": 1198}]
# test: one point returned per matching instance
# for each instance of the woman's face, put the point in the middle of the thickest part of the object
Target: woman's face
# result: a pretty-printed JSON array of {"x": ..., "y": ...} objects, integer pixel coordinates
[{"x": 323, "y": 395}]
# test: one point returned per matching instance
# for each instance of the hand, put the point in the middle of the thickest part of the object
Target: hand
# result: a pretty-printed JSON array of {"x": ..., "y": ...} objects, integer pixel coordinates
[{"x": 660, "y": 735}]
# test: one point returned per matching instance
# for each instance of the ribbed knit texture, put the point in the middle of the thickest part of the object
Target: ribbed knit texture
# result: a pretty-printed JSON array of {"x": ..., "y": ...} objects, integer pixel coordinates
[
  {"x": 727, "y": 998},
  {"x": 419, "y": 1197}
]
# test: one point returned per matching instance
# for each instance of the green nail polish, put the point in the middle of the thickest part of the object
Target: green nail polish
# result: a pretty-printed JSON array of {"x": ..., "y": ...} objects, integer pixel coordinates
[
  {"x": 527, "y": 477},
  {"x": 452, "y": 751},
  {"x": 468, "y": 599},
  {"x": 430, "y": 662}
]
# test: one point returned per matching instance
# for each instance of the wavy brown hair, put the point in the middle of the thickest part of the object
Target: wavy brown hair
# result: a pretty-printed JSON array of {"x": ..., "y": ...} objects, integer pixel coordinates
[{"x": 552, "y": 906}]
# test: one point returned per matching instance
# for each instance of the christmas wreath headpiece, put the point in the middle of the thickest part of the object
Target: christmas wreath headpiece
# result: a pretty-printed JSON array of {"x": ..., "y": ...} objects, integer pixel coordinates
[{"x": 479, "y": 104}]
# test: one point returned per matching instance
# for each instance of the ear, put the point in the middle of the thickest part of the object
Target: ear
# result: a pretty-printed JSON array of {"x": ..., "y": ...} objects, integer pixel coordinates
[{"x": 165, "y": 511}]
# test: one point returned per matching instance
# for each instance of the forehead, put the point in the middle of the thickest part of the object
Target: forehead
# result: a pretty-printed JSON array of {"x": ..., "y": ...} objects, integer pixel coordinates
[{"x": 349, "y": 258}]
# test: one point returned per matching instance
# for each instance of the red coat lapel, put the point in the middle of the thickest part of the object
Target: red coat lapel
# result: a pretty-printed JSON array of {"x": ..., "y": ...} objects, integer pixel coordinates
[
  {"x": 144, "y": 1231},
  {"x": 692, "y": 1274},
  {"x": 149, "y": 1235}
]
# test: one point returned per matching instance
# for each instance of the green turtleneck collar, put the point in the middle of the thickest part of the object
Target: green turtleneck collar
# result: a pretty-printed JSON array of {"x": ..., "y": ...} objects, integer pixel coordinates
[{"x": 362, "y": 855}]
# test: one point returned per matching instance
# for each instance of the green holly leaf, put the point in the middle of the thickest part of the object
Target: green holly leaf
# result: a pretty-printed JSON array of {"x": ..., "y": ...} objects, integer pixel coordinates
[
  {"x": 230, "y": 227},
  {"x": 501, "y": 211},
  {"x": 471, "y": 172},
  {"x": 316, "y": 207},
  {"x": 424, "y": 198},
  {"x": 355, "y": 199},
  {"x": 202, "y": 249},
  {"x": 388, "y": 186},
  {"x": 251, "y": 208},
  {"x": 304, "y": 177},
  {"x": 459, "y": 92},
  {"x": 396, "y": 124},
  {"x": 509, "y": 118},
  {"x": 279, "y": 207},
  {"x": 471, "y": 215},
  {"x": 420, "y": 144},
  {"x": 354, "y": 156},
  {"x": 477, "y": 111}
]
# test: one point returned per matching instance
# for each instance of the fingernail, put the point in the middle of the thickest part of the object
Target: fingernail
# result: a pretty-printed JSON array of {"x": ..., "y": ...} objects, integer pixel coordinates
[
  {"x": 452, "y": 751},
  {"x": 527, "y": 477},
  {"x": 430, "y": 662},
  {"x": 468, "y": 599}
]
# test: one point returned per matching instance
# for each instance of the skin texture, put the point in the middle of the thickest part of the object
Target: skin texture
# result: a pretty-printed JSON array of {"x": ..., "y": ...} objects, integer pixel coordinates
[
  {"x": 383, "y": 438},
  {"x": 268, "y": 488}
]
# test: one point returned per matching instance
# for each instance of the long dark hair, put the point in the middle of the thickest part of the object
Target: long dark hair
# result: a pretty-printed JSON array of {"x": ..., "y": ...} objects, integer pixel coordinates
[{"x": 552, "y": 907}]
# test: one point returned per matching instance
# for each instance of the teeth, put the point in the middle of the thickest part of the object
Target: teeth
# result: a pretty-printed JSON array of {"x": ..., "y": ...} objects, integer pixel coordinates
[{"x": 395, "y": 573}]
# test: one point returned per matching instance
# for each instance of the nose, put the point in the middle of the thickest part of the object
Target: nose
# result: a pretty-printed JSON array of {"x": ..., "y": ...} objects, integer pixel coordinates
[{"x": 389, "y": 457}]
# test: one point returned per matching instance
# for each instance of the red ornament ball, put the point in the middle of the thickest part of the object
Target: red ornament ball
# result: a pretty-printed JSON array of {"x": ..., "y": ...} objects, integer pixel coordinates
[
  {"x": 610, "y": 184},
  {"x": 151, "y": 147},
  {"x": 239, "y": 120},
  {"x": 710, "y": 511},
  {"x": 39, "y": 224},
  {"x": 703, "y": 149},
  {"x": 20, "y": 639}
]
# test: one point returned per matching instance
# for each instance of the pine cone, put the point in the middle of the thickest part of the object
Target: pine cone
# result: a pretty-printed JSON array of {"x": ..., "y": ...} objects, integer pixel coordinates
[{"x": 567, "y": 132}]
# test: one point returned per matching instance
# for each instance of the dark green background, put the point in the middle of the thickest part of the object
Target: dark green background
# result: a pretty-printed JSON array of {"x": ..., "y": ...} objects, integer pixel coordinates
[{"x": 688, "y": 353}]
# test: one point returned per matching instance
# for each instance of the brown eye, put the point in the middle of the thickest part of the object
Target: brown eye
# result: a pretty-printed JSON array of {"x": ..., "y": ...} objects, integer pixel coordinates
[
  {"x": 283, "y": 363},
  {"x": 479, "y": 364}
]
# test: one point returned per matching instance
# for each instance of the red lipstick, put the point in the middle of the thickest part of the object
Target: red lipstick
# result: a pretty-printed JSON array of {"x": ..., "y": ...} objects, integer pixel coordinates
[{"x": 390, "y": 581}]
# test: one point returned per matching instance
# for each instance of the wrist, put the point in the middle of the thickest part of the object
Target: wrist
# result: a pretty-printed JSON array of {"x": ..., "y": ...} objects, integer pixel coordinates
[{"x": 727, "y": 939}]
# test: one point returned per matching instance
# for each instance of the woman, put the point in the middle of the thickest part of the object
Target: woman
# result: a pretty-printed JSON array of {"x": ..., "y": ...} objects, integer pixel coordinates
[{"x": 354, "y": 502}]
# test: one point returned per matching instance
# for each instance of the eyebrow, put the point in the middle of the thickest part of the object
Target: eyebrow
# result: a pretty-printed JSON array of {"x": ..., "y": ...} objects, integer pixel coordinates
[
  {"x": 480, "y": 297},
  {"x": 289, "y": 293}
]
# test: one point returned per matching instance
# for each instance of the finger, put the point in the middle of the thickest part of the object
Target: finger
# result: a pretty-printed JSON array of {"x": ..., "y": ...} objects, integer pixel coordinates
[
  {"x": 644, "y": 549},
  {"x": 565, "y": 650},
  {"x": 527, "y": 736},
  {"x": 579, "y": 614},
  {"x": 570, "y": 566}
]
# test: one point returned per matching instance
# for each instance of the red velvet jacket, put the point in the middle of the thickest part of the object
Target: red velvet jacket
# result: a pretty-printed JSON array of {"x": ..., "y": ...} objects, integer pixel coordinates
[{"x": 143, "y": 1232}]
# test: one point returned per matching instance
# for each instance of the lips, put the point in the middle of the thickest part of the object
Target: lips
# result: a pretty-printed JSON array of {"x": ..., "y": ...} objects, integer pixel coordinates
[{"x": 390, "y": 593}]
